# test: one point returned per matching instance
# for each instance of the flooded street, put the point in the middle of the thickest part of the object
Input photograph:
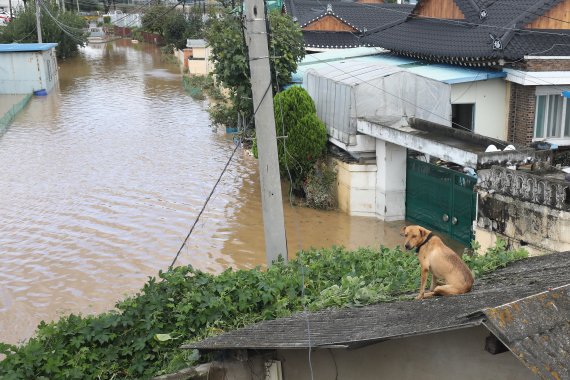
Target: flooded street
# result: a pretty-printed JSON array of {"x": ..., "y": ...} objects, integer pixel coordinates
[{"x": 101, "y": 180}]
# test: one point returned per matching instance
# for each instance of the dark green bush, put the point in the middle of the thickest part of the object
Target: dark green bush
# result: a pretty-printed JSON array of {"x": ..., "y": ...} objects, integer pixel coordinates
[{"x": 306, "y": 135}]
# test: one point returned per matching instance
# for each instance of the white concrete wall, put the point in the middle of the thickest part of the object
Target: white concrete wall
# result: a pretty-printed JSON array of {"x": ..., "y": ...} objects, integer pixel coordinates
[
  {"x": 356, "y": 188},
  {"x": 26, "y": 72},
  {"x": 491, "y": 98},
  {"x": 390, "y": 181},
  {"x": 448, "y": 355}
]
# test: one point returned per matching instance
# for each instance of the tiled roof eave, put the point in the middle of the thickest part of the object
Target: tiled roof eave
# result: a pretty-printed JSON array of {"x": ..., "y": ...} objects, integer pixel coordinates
[{"x": 455, "y": 60}]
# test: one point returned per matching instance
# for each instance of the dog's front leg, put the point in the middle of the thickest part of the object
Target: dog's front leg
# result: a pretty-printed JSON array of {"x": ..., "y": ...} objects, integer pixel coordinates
[
  {"x": 433, "y": 282},
  {"x": 424, "y": 276}
]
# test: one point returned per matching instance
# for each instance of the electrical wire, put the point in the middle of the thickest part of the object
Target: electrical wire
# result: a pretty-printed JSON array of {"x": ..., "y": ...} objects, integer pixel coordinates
[
  {"x": 63, "y": 27},
  {"x": 205, "y": 204},
  {"x": 460, "y": 22}
]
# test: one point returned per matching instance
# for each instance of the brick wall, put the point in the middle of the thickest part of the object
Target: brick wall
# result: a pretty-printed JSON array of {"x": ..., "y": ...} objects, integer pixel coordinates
[
  {"x": 521, "y": 114},
  {"x": 543, "y": 65}
]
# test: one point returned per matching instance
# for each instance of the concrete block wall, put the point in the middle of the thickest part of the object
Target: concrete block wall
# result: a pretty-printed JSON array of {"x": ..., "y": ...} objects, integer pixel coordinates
[{"x": 538, "y": 228}]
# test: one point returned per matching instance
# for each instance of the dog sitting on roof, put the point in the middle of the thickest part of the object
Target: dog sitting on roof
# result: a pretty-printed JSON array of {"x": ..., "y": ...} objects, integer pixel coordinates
[{"x": 443, "y": 263}]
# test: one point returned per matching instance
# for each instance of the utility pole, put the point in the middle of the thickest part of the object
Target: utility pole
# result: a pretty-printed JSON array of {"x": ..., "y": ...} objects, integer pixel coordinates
[
  {"x": 77, "y": 6},
  {"x": 10, "y": 8},
  {"x": 38, "y": 23},
  {"x": 262, "y": 93}
]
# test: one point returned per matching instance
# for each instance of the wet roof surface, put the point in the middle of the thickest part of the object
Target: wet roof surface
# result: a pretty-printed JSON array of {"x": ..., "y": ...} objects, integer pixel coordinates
[
  {"x": 537, "y": 330},
  {"x": 383, "y": 321}
]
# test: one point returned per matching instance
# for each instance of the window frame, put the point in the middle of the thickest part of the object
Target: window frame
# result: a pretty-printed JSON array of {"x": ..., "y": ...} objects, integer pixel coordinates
[{"x": 562, "y": 132}]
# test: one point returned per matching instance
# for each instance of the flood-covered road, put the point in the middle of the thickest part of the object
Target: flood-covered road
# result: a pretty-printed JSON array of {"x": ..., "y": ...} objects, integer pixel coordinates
[{"x": 101, "y": 180}]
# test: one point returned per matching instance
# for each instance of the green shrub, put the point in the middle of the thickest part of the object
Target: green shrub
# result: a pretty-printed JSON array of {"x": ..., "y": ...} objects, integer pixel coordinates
[
  {"x": 142, "y": 337},
  {"x": 495, "y": 257},
  {"x": 306, "y": 135},
  {"x": 106, "y": 19}
]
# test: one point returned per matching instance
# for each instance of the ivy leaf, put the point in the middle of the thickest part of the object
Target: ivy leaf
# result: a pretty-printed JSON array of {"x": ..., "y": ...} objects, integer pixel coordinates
[{"x": 162, "y": 337}]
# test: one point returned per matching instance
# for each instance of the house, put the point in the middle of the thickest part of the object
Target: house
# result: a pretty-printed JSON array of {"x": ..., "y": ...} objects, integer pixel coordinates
[
  {"x": 28, "y": 68},
  {"x": 514, "y": 324},
  {"x": 529, "y": 40},
  {"x": 386, "y": 110},
  {"x": 197, "y": 57},
  {"x": 516, "y": 96},
  {"x": 341, "y": 24}
]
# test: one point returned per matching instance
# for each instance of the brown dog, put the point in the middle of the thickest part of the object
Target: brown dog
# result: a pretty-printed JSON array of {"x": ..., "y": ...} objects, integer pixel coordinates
[{"x": 440, "y": 260}]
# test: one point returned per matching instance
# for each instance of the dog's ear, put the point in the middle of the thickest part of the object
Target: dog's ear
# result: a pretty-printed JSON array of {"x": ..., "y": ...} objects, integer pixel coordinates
[
  {"x": 403, "y": 231},
  {"x": 422, "y": 232}
]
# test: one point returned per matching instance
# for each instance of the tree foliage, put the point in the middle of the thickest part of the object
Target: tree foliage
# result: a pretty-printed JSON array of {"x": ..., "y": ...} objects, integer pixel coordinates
[
  {"x": 172, "y": 24},
  {"x": 296, "y": 117},
  {"x": 65, "y": 28},
  {"x": 225, "y": 37},
  {"x": 142, "y": 337}
]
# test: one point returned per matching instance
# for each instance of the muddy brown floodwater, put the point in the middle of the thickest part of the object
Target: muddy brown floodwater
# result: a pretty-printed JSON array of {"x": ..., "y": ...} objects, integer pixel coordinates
[{"x": 101, "y": 180}]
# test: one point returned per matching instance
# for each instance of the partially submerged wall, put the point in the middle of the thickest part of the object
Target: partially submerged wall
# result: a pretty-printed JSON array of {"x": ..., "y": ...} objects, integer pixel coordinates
[
  {"x": 356, "y": 186},
  {"x": 525, "y": 209}
]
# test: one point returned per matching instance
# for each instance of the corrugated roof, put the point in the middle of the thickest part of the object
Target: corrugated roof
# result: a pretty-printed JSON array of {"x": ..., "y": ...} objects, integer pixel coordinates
[
  {"x": 344, "y": 62},
  {"x": 355, "y": 72},
  {"x": 384, "y": 321},
  {"x": 8, "y": 48}
]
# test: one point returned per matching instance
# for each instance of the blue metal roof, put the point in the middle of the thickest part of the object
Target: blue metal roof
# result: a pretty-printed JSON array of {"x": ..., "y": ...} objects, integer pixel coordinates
[
  {"x": 441, "y": 72},
  {"x": 9, "y": 48}
]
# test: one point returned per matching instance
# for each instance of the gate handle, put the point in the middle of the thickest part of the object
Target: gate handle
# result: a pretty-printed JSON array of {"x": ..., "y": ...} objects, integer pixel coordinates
[
  {"x": 454, "y": 220},
  {"x": 445, "y": 217}
]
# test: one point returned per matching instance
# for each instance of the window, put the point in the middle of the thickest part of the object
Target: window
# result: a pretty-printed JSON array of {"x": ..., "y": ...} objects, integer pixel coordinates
[
  {"x": 552, "y": 117},
  {"x": 462, "y": 116}
]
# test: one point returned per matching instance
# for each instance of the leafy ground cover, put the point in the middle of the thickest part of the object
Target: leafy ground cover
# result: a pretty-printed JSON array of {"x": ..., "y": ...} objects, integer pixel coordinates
[{"x": 141, "y": 337}]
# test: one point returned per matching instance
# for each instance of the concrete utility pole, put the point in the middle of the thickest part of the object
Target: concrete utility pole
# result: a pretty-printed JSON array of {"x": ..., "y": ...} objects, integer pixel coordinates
[
  {"x": 38, "y": 23},
  {"x": 271, "y": 198}
]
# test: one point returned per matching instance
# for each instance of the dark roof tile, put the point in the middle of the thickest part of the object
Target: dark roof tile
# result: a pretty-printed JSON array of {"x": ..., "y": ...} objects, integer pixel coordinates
[{"x": 474, "y": 37}]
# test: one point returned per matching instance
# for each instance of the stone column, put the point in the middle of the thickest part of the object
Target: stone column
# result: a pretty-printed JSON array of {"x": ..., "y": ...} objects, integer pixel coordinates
[{"x": 390, "y": 181}]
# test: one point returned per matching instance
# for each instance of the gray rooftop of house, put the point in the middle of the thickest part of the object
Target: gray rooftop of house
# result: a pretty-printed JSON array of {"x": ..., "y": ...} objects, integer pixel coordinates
[{"x": 354, "y": 327}]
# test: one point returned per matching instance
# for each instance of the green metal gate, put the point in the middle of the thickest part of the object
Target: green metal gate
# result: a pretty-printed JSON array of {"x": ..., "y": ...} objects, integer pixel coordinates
[{"x": 440, "y": 199}]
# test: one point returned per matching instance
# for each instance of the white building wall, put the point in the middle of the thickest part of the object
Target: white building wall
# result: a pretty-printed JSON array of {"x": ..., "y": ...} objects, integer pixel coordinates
[
  {"x": 26, "y": 72},
  {"x": 448, "y": 355},
  {"x": 491, "y": 98}
]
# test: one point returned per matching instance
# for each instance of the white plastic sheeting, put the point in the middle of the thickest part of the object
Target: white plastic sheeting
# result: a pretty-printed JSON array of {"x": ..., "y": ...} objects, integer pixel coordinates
[{"x": 346, "y": 91}]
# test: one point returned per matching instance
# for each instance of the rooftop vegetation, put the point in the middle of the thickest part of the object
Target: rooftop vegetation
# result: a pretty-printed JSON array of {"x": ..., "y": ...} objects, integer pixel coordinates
[{"x": 142, "y": 336}]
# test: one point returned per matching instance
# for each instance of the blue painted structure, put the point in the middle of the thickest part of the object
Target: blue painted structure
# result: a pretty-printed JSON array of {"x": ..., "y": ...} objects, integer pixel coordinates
[
  {"x": 448, "y": 74},
  {"x": 28, "y": 68}
]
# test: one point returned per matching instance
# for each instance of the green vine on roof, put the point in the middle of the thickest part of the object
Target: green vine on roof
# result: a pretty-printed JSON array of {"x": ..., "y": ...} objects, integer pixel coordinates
[{"x": 141, "y": 338}]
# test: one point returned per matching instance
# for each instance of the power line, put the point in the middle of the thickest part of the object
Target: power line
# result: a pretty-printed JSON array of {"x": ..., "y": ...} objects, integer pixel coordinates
[
  {"x": 205, "y": 204},
  {"x": 458, "y": 22}
]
